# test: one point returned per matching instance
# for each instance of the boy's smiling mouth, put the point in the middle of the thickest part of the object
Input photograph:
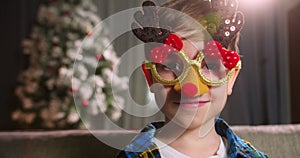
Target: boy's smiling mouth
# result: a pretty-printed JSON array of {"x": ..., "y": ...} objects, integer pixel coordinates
[{"x": 192, "y": 103}]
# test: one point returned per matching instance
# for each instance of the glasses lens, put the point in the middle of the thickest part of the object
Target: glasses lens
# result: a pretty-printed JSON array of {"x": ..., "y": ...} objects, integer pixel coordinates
[
  {"x": 213, "y": 69},
  {"x": 171, "y": 68}
]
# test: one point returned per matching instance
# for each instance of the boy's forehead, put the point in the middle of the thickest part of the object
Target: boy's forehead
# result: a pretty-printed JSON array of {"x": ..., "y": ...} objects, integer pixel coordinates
[{"x": 192, "y": 48}]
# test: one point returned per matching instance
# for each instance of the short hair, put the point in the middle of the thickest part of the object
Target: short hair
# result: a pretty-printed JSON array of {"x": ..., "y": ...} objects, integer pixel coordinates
[{"x": 195, "y": 9}]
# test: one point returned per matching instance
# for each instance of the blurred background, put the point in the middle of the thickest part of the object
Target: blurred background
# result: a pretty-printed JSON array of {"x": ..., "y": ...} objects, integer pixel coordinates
[{"x": 265, "y": 92}]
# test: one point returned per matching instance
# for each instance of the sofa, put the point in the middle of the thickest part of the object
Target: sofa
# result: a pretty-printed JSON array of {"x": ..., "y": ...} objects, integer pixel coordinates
[{"x": 278, "y": 141}]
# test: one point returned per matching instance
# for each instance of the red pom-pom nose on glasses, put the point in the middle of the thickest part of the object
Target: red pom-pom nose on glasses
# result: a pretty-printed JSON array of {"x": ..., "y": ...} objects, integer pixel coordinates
[{"x": 192, "y": 85}]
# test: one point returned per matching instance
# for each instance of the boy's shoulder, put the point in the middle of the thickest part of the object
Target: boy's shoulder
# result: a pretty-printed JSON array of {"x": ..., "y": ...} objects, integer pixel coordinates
[
  {"x": 237, "y": 147},
  {"x": 143, "y": 146}
]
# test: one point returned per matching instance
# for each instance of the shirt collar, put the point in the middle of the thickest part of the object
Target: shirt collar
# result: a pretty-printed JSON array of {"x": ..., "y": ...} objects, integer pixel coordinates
[{"x": 236, "y": 146}]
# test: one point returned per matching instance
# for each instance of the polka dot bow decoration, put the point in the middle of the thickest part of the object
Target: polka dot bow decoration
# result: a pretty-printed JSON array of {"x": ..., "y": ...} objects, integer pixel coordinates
[
  {"x": 214, "y": 49},
  {"x": 172, "y": 44}
]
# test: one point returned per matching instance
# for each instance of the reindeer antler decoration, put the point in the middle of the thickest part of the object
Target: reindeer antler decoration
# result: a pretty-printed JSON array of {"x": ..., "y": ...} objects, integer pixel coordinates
[
  {"x": 230, "y": 21},
  {"x": 223, "y": 22},
  {"x": 149, "y": 29}
]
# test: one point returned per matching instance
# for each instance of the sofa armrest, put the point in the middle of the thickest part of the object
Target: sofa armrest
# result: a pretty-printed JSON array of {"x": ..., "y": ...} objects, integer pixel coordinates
[
  {"x": 55, "y": 144},
  {"x": 275, "y": 140}
]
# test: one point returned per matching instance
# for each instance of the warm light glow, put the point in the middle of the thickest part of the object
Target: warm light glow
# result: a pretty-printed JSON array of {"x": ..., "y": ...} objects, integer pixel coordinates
[{"x": 255, "y": 3}]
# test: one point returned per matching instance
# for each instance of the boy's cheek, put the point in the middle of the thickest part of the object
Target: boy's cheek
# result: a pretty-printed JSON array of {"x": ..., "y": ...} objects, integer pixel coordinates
[
  {"x": 160, "y": 93},
  {"x": 219, "y": 97}
]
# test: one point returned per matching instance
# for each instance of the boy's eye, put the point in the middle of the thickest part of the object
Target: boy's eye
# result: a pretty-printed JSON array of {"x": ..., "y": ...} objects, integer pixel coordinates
[
  {"x": 211, "y": 66},
  {"x": 174, "y": 63},
  {"x": 174, "y": 67}
]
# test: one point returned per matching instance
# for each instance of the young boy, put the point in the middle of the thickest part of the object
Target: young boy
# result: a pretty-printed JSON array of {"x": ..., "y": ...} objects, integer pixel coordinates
[{"x": 191, "y": 75}]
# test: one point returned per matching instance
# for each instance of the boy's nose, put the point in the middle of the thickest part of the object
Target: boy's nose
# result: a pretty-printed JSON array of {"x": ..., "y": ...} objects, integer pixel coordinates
[{"x": 192, "y": 84}]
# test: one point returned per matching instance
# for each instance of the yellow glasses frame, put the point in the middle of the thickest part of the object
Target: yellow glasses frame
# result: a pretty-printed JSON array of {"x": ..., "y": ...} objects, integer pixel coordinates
[{"x": 197, "y": 63}]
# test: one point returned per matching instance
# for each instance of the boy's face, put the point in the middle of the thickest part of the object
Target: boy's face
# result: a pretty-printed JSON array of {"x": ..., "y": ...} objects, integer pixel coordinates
[{"x": 191, "y": 111}]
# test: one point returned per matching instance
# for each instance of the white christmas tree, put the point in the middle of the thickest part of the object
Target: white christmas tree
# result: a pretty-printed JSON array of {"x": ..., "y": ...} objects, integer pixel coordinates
[{"x": 45, "y": 90}]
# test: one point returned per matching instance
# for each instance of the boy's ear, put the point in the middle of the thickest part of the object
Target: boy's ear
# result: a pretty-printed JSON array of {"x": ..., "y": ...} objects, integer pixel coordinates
[{"x": 231, "y": 81}]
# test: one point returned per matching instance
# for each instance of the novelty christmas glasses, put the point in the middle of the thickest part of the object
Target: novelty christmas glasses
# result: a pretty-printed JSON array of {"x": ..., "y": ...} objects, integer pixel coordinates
[{"x": 170, "y": 65}]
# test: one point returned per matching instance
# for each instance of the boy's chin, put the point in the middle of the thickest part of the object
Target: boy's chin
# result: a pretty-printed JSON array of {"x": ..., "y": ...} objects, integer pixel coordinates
[{"x": 191, "y": 124}]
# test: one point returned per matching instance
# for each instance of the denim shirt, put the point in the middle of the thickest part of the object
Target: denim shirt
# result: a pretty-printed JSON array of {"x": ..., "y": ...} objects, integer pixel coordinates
[{"x": 144, "y": 147}]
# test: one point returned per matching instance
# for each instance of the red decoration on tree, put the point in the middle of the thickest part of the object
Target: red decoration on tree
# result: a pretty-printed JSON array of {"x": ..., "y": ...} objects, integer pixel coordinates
[
  {"x": 74, "y": 90},
  {"x": 85, "y": 103},
  {"x": 89, "y": 32},
  {"x": 99, "y": 56},
  {"x": 214, "y": 49}
]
